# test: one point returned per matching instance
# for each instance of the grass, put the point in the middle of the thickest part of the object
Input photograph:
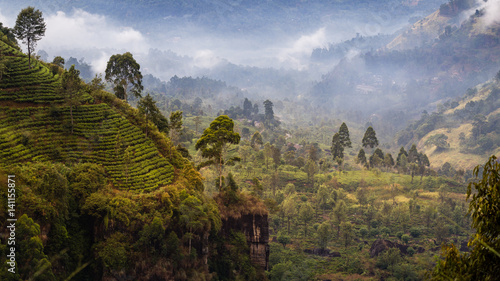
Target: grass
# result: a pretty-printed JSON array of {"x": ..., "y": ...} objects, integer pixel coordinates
[{"x": 452, "y": 155}]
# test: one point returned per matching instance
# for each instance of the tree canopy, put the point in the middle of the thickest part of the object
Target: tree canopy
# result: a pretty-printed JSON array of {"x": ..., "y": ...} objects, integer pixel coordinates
[
  {"x": 345, "y": 141},
  {"x": 215, "y": 140},
  {"x": 337, "y": 148},
  {"x": 124, "y": 72},
  {"x": 370, "y": 138},
  {"x": 147, "y": 106},
  {"x": 71, "y": 86},
  {"x": 30, "y": 28}
]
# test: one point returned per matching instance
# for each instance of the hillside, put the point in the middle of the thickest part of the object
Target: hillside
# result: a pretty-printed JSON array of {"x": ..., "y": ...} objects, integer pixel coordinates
[
  {"x": 426, "y": 30},
  {"x": 464, "y": 132},
  {"x": 36, "y": 127},
  {"x": 422, "y": 32},
  {"x": 415, "y": 79}
]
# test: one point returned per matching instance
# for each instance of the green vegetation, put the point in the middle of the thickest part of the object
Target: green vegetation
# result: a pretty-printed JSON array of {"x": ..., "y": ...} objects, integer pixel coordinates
[
  {"x": 482, "y": 261},
  {"x": 107, "y": 191},
  {"x": 124, "y": 72},
  {"x": 30, "y": 27}
]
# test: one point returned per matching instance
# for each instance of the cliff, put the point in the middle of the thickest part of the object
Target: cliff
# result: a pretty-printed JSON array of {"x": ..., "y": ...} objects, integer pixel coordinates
[{"x": 249, "y": 216}]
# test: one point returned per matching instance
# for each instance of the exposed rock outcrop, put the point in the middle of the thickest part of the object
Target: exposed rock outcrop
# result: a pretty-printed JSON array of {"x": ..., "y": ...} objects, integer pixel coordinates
[
  {"x": 381, "y": 245},
  {"x": 250, "y": 217},
  {"x": 256, "y": 230},
  {"x": 323, "y": 252}
]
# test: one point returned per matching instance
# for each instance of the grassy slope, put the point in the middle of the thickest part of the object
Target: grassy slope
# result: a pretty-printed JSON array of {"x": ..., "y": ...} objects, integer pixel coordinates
[
  {"x": 32, "y": 130},
  {"x": 454, "y": 154},
  {"x": 424, "y": 30}
]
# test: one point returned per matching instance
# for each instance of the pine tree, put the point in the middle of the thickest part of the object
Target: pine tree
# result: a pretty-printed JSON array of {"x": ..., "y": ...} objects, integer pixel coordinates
[
  {"x": 337, "y": 148},
  {"x": 370, "y": 138},
  {"x": 345, "y": 141}
]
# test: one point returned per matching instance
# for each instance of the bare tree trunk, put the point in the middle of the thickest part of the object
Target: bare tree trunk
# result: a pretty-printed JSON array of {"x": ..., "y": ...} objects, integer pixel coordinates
[
  {"x": 29, "y": 53},
  {"x": 71, "y": 113}
]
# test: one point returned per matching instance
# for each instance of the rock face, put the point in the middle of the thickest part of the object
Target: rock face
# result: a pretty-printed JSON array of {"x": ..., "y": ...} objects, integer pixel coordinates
[
  {"x": 256, "y": 230},
  {"x": 323, "y": 253},
  {"x": 381, "y": 245}
]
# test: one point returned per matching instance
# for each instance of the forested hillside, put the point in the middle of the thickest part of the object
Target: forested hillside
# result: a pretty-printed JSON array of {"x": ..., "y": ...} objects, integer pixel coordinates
[
  {"x": 383, "y": 169},
  {"x": 100, "y": 192}
]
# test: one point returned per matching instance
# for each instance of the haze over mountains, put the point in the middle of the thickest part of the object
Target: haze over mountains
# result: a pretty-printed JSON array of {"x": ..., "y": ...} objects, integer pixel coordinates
[
  {"x": 378, "y": 61},
  {"x": 205, "y": 34}
]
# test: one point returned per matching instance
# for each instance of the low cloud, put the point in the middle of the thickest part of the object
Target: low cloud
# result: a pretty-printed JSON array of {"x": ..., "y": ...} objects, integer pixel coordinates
[
  {"x": 206, "y": 59},
  {"x": 83, "y": 30},
  {"x": 491, "y": 12},
  {"x": 301, "y": 49}
]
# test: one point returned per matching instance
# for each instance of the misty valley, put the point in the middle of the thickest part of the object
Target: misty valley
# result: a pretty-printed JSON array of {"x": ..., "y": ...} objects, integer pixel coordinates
[{"x": 250, "y": 140}]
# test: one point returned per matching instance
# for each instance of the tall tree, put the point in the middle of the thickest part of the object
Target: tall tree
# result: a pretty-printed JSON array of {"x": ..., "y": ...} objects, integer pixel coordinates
[
  {"x": 306, "y": 214},
  {"x": 247, "y": 108},
  {"x": 347, "y": 233},
  {"x": 345, "y": 141},
  {"x": 30, "y": 28},
  {"x": 124, "y": 72},
  {"x": 370, "y": 138},
  {"x": 147, "y": 106},
  {"x": 193, "y": 216},
  {"x": 256, "y": 140},
  {"x": 402, "y": 152},
  {"x": 312, "y": 152},
  {"x": 268, "y": 110},
  {"x": 362, "y": 157},
  {"x": 276, "y": 157},
  {"x": 339, "y": 214},
  {"x": 214, "y": 142},
  {"x": 269, "y": 121},
  {"x": 377, "y": 158},
  {"x": 71, "y": 86},
  {"x": 175, "y": 125},
  {"x": 337, "y": 147},
  {"x": 289, "y": 207}
]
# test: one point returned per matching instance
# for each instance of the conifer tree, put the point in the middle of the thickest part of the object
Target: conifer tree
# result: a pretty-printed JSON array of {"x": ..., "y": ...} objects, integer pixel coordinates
[
  {"x": 345, "y": 141},
  {"x": 370, "y": 138},
  {"x": 337, "y": 148},
  {"x": 362, "y": 157}
]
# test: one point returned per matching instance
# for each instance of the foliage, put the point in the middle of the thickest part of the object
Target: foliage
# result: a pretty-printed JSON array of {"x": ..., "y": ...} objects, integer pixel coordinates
[
  {"x": 71, "y": 85},
  {"x": 337, "y": 147},
  {"x": 124, "y": 72},
  {"x": 30, "y": 28},
  {"x": 215, "y": 140},
  {"x": 370, "y": 138},
  {"x": 147, "y": 106},
  {"x": 481, "y": 262}
]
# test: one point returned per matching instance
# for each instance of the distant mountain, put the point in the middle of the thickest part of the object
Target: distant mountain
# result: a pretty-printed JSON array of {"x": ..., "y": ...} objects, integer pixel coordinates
[
  {"x": 414, "y": 79},
  {"x": 428, "y": 29}
]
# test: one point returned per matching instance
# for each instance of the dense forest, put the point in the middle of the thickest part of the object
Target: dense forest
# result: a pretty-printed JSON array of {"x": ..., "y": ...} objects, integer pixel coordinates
[{"x": 125, "y": 176}]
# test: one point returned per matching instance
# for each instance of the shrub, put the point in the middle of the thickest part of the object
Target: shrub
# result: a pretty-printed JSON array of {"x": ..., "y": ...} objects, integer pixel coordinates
[
  {"x": 411, "y": 251},
  {"x": 405, "y": 238},
  {"x": 415, "y": 232}
]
